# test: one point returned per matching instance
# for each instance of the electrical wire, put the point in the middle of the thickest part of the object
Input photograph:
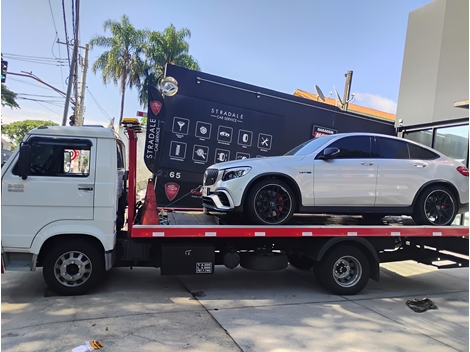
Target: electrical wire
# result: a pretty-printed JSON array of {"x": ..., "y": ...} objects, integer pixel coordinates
[
  {"x": 99, "y": 106},
  {"x": 65, "y": 28}
]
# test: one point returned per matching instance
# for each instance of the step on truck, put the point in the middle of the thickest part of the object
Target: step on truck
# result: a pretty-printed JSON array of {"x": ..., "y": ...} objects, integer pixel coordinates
[{"x": 69, "y": 207}]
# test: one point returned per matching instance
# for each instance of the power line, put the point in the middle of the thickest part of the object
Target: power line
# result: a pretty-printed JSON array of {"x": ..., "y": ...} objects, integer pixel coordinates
[
  {"x": 65, "y": 28},
  {"x": 99, "y": 106}
]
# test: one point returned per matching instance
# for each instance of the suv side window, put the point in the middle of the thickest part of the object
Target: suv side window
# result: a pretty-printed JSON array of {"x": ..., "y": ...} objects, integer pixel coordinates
[
  {"x": 354, "y": 147},
  {"x": 393, "y": 149},
  {"x": 417, "y": 152},
  {"x": 59, "y": 157}
]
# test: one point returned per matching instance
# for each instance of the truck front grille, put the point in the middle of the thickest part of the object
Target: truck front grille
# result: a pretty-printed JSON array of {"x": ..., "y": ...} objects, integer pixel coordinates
[{"x": 210, "y": 176}]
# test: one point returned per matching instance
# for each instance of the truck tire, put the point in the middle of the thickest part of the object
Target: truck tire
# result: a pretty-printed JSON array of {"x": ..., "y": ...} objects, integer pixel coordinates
[
  {"x": 263, "y": 261},
  {"x": 73, "y": 268},
  {"x": 270, "y": 202},
  {"x": 344, "y": 271},
  {"x": 436, "y": 205},
  {"x": 300, "y": 262}
]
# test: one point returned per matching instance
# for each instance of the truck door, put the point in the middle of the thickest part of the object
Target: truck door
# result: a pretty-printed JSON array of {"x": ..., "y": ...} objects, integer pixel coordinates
[
  {"x": 60, "y": 186},
  {"x": 350, "y": 178}
]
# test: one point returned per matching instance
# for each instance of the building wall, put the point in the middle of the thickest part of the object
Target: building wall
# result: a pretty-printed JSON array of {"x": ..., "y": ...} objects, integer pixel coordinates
[{"x": 435, "y": 70}]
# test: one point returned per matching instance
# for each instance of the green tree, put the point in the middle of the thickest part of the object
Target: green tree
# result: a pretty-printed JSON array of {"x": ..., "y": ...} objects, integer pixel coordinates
[
  {"x": 9, "y": 98},
  {"x": 169, "y": 46},
  {"x": 17, "y": 130},
  {"x": 122, "y": 62}
]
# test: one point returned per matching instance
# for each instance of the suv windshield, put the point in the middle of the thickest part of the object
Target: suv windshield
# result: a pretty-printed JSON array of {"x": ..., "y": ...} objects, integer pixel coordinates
[{"x": 310, "y": 146}]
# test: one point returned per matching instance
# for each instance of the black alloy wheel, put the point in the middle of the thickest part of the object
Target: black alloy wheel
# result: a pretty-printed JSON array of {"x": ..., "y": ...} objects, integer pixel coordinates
[
  {"x": 436, "y": 206},
  {"x": 270, "y": 202}
]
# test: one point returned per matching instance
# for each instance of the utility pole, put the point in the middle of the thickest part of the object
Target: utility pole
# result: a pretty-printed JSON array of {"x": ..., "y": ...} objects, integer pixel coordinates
[
  {"x": 81, "y": 97},
  {"x": 80, "y": 100},
  {"x": 347, "y": 90},
  {"x": 72, "y": 66}
]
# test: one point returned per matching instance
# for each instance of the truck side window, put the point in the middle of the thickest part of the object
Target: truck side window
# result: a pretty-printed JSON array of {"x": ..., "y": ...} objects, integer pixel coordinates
[{"x": 59, "y": 157}]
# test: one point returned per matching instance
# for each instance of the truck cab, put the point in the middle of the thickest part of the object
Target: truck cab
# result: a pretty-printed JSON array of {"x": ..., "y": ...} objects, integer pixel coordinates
[{"x": 62, "y": 182}]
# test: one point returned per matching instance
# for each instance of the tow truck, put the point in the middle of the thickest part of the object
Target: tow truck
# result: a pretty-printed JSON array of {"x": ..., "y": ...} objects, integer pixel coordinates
[{"x": 69, "y": 207}]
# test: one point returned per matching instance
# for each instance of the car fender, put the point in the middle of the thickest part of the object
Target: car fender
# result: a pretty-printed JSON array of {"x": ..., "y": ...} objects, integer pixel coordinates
[
  {"x": 290, "y": 181},
  {"x": 449, "y": 184}
]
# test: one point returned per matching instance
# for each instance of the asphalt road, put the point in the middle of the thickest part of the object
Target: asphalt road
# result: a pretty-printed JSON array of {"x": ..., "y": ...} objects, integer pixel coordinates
[{"x": 239, "y": 310}]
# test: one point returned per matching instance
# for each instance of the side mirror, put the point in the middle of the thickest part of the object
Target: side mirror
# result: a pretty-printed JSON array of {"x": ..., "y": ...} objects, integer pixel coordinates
[
  {"x": 328, "y": 153},
  {"x": 24, "y": 161}
]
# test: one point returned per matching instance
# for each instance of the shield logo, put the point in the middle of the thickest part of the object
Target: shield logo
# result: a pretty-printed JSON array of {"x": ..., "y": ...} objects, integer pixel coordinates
[
  {"x": 171, "y": 190},
  {"x": 155, "y": 106}
]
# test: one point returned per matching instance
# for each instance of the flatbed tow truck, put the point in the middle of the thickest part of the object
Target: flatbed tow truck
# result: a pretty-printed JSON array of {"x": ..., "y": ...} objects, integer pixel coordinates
[{"x": 77, "y": 225}]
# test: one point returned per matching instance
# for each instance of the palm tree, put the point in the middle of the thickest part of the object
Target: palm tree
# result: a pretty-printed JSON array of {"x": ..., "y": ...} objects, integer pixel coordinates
[
  {"x": 122, "y": 62},
  {"x": 169, "y": 46}
]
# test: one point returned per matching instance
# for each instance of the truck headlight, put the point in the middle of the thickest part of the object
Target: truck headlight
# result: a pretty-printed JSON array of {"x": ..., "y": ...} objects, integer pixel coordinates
[{"x": 230, "y": 174}]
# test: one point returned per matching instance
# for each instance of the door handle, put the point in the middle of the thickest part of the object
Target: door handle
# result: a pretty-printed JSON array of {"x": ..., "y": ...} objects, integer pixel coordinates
[
  {"x": 367, "y": 163},
  {"x": 420, "y": 165},
  {"x": 85, "y": 188}
]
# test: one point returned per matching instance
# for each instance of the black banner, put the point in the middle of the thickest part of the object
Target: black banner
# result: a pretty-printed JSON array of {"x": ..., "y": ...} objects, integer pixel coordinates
[{"x": 155, "y": 128}]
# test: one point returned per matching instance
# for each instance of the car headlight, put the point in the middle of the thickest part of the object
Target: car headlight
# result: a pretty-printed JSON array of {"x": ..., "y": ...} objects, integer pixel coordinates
[{"x": 230, "y": 174}]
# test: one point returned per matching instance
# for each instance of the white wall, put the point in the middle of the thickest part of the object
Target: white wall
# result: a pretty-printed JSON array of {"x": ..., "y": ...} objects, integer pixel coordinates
[{"x": 435, "y": 70}]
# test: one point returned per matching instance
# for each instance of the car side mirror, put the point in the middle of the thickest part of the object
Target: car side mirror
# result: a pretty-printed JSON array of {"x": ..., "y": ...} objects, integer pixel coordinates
[
  {"x": 328, "y": 153},
  {"x": 24, "y": 161}
]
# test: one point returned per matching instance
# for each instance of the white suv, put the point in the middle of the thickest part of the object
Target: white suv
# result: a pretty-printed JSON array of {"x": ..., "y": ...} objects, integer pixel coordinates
[{"x": 352, "y": 173}]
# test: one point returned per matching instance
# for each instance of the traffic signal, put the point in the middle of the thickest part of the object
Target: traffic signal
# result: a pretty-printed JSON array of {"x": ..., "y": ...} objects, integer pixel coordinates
[
  {"x": 4, "y": 70},
  {"x": 72, "y": 121}
]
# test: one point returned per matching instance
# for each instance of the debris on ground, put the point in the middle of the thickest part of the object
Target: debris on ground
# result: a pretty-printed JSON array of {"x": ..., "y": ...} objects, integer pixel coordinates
[
  {"x": 420, "y": 305},
  {"x": 88, "y": 346}
]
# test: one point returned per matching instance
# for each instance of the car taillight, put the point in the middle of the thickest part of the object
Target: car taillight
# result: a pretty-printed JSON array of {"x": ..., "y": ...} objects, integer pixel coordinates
[{"x": 463, "y": 170}]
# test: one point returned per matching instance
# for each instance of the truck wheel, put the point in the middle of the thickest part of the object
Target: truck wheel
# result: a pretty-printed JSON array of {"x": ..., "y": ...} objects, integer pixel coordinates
[
  {"x": 300, "y": 262},
  {"x": 435, "y": 206},
  {"x": 263, "y": 261},
  {"x": 73, "y": 268},
  {"x": 270, "y": 202},
  {"x": 344, "y": 271}
]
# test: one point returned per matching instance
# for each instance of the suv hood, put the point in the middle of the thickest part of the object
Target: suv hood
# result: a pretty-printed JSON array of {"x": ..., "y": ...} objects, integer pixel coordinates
[{"x": 257, "y": 162}]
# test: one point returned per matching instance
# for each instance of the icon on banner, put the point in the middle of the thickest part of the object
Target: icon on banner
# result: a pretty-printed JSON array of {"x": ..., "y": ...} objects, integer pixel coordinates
[
  {"x": 221, "y": 155},
  {"x": 171, "y": 190},
  {"x": 241, "y": 156},
  {"x": 245, "y": 138},
  {"x": 177, "y": 150},
  {"x": 264, "y": 141},
  {"x": 203, "y": 130},
  {"x": 180, "y": 126},
  {"x": 224, "y": 134},
  {"x": 200, "y": 153}
]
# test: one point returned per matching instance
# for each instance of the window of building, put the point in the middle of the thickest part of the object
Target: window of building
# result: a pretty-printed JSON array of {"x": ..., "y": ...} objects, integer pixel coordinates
[{"x": 453, "y": 142}]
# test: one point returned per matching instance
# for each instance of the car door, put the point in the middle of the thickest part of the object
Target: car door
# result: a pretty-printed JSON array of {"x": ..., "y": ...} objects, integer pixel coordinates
[
  {"x": 403, "y": 168},
  {"x": 350, "y": 178},
  {"x": 60, "y": 186}
]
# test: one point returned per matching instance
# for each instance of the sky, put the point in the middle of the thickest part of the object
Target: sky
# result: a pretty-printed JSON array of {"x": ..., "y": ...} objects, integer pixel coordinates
[{"x": 281, "y": 45}]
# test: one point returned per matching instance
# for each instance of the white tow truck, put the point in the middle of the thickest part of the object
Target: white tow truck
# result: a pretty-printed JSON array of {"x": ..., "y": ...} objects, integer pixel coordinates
[{"x": 69, "y": 206}]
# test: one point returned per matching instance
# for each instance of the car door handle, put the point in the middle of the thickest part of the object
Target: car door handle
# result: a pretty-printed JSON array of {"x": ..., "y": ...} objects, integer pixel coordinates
[
  {"x": 85, "y": 188},
  {"x": 420, "y": 165},
  {"x": 369, "y": 163}
]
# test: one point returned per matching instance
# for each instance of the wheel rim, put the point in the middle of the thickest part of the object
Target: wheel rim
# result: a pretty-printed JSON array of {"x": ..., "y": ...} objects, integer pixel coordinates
[
  {"x": 439, "y": 207},
  {"x": 347, "y": 271},
  {"x": 273, "y": 204},
  {"x": 72, "y": 269}
]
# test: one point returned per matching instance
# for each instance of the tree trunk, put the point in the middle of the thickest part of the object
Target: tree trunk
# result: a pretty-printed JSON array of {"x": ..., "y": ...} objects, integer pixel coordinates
[{"x": 123, "y": 93}]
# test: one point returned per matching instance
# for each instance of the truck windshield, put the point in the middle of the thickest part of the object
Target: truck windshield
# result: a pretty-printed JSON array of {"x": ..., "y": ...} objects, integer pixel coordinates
[{"x": 310, "y": 145}]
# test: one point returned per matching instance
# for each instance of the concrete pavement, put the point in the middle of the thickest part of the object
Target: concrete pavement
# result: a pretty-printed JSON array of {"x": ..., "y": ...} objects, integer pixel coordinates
[{"x": 233, "y": 310}]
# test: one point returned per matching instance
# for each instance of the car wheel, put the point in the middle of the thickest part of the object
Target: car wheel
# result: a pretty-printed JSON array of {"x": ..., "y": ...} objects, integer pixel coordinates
[
  {"x": 435, "y": 206},
  {"x": 270, "y": 202},
  {"x": 73, "y": 268},
  {"x": 344, "y": 271}
]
